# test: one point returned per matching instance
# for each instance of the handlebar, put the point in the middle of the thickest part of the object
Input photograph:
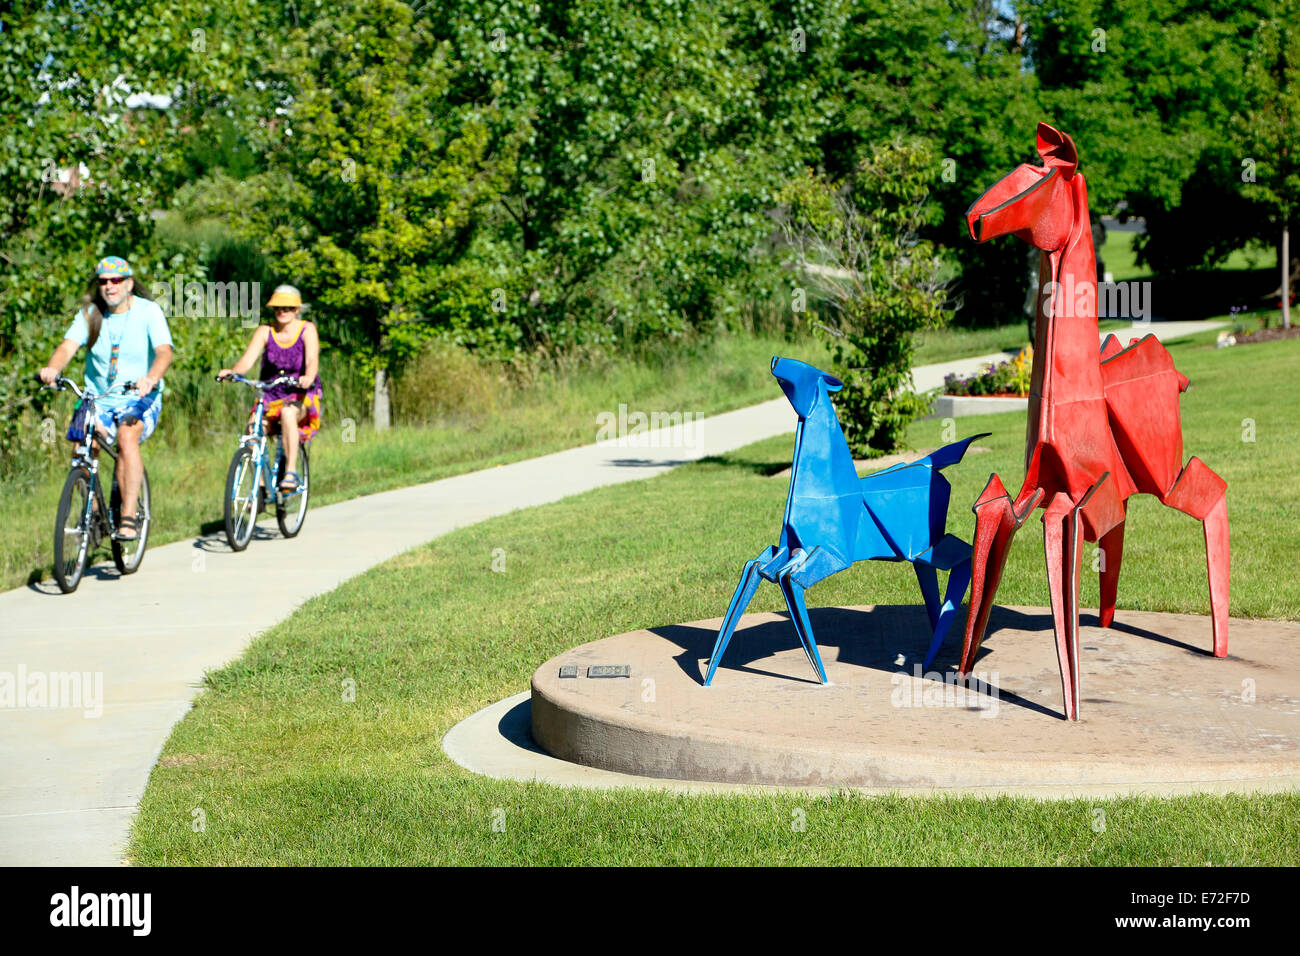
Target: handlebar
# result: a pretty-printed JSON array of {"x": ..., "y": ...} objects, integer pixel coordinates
[
  {"x": 261, "y": 386},
  {"x": 61, "y": 383}
]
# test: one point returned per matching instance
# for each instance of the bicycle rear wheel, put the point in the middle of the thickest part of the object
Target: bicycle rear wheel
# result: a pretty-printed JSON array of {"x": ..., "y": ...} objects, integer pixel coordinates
[
  {"x": 241, "y": 507},
  {"x": 127, "y": 555},
  {"x": 291, "y": 509},
  {"x": 72, "y": 531}
]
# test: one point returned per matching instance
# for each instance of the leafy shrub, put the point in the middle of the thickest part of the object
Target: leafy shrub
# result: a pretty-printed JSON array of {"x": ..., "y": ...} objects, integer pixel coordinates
[
  {"x": 446, "y": 382},
  {"x": 859, "y": 244}
]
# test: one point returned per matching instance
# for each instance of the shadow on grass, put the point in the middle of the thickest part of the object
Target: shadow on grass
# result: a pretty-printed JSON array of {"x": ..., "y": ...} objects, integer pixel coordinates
[
  {"x": 649, "y": 462},
  {"x": 764, "y": 469},
  {"x": 1205, "y": 293}
]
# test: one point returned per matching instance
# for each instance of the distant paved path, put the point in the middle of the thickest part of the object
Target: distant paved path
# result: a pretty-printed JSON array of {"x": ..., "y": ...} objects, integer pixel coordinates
[
  {"x": 931, "y": 376},
  {"x": 70, "y": 784}
]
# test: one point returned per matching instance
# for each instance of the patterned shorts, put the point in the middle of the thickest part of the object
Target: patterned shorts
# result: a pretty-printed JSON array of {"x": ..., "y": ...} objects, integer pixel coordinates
[
  {"x": 110, "y": 413},
  {"x": 308, "y": 418}
]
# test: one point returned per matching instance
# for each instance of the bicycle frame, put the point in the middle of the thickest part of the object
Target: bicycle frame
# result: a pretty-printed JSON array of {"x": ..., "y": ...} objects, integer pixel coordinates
[
  {"x": 86, "y": 513},
  {"x": 256, "y": 439},
  {"x": 83, "y": 456}
]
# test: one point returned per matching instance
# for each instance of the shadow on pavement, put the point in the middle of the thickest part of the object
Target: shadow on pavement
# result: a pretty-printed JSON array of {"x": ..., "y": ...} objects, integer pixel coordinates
[{"x": 892, "y": 638}]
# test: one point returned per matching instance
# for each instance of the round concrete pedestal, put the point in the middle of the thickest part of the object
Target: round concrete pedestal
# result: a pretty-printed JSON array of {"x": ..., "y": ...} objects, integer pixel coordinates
[{"x": 1158, "y": 712}]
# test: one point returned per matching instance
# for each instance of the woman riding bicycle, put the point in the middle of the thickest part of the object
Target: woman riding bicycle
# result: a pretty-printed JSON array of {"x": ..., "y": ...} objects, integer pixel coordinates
[
  {"x": 127, "y": 339},
  {"x": 292, "y": 348}
]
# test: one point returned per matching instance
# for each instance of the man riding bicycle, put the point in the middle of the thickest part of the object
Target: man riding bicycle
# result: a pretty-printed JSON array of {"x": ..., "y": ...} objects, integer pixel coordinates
[{"x": 127, "y": 339}]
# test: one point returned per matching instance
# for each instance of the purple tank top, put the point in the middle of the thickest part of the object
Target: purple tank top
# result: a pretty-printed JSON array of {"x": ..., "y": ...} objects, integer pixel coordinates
[{"x": 280, "y": 360}]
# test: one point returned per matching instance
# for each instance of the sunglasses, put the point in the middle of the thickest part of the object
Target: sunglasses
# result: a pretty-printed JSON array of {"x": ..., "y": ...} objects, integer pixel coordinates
[
  {"x": 285, "y": 308},
  {"x": 109, "y": 280}
]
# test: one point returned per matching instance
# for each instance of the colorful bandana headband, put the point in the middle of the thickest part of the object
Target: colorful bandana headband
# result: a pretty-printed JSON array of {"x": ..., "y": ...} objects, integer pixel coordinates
[{"x": 113, "y": 266}]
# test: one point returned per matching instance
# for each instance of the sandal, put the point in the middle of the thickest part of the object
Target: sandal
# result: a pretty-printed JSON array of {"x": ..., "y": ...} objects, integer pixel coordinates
[
  {"x": 290, "y": 483},
  {"x": 129, "y": 523}
]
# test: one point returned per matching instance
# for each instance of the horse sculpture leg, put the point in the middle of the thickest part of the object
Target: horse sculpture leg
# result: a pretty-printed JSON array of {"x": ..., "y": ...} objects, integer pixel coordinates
[
  {"x": 744, "y": 593},
  {"x": 1063, "y": 546},
  {"x": 994, "y": 525},
  {"x": 941, "y": 615},
  {"x": 996, "y": 522},
  {"x": 1202, "y": 494},
  {"x": 1217, "y": 562},
  {"x": 1112, "y": 554},
  {"x": 799, "y": 616},
  {"x": 928, "y": 579},
  {"x": 958, "y": 579}
]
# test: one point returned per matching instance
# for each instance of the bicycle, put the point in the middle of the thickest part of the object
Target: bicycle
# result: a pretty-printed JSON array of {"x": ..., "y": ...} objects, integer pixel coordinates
[
  {"x": 252, "y": 482},
  {"x": 82, "y": 502}
]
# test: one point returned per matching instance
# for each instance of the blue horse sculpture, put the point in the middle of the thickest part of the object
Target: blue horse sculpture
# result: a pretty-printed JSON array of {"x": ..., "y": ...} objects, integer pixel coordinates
[{"x": 833, "y": 518}]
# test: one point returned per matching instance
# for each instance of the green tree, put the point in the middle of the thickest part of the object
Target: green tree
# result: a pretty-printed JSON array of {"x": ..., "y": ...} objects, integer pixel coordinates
[
  {"x": 653, "y": 143},
  {"x": 85, "y": 159},
  {"x": 1148, "y": 92},
  {"x": 858, "y": 243},
  {"x": 1270, "y": 127},
  {"x": 377, "y": 177},
  {"x": 952, "y": 72}
]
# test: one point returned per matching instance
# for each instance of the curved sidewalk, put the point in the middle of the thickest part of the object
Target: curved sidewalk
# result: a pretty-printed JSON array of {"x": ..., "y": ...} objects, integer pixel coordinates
[{"x": 71, "y": 777}]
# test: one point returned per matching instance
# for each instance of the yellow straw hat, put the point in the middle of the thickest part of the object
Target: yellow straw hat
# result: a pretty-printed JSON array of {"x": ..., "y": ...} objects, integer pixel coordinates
[{"x": 285, "y": 295}]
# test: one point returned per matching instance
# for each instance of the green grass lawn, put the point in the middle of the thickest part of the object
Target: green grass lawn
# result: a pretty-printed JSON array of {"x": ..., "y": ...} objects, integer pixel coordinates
[
  {"x": 940, "y": 345},
  {"x": 286, "y": 772},
  {"x": 1120, "y": 258},
  {"x": 1251, "y": 257}
]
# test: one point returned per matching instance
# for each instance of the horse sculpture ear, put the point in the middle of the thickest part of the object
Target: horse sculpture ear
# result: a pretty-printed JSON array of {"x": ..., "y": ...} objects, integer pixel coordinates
[
  {"x": 1057, "y": 149},
  {"x": 832, "y": 384}
]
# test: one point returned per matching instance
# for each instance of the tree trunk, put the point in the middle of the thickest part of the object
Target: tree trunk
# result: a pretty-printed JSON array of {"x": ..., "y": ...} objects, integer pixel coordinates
[
  {"x": 380, "y": 414},
  {"x": 1286, "y": 275}
]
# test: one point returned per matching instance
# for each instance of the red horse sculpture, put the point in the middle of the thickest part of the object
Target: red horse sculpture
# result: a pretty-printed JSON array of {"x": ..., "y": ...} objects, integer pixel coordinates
[{"x": 1103, "y": 425}]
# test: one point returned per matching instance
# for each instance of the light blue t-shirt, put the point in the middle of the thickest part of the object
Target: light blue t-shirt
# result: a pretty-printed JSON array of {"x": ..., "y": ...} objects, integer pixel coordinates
[{"x": 137, "y": 333}]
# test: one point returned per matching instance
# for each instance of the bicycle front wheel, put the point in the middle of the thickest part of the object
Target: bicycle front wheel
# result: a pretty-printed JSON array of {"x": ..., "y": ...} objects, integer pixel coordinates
[
  {"x": 242, "y": 483},
  {"x": 127, "y": 555},
  {"x": 72, "y": 531},
  {"x": 291, "y": 509}
]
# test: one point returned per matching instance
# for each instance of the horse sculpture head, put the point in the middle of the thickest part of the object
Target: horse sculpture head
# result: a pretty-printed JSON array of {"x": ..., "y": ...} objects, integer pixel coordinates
[
  {"x": 1031, "y": 202},
  {"x": 803, "y": 385}
]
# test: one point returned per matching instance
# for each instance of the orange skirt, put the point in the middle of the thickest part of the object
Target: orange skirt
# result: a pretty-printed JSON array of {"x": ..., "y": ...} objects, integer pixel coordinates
[{"x": 308, "y": 419}]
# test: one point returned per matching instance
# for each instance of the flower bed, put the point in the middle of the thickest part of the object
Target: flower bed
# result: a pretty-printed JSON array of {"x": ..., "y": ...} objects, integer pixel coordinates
[{"x": 1009, "y": 379}]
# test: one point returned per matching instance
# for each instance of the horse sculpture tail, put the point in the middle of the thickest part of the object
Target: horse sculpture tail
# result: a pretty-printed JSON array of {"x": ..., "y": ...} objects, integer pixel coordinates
[{"x": 953, "y": 453}]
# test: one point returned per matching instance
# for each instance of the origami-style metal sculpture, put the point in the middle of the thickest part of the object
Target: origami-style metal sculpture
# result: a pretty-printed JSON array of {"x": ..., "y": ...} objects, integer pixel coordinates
[
  {"x": 1102, "y": 426},
  {"x": 834, "y": 518}
]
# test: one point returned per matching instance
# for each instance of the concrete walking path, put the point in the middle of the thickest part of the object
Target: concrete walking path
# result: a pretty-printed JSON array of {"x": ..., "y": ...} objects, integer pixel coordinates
[
  {"x": 71, "y": 777},
  {"x": 926, "y": 377}
]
